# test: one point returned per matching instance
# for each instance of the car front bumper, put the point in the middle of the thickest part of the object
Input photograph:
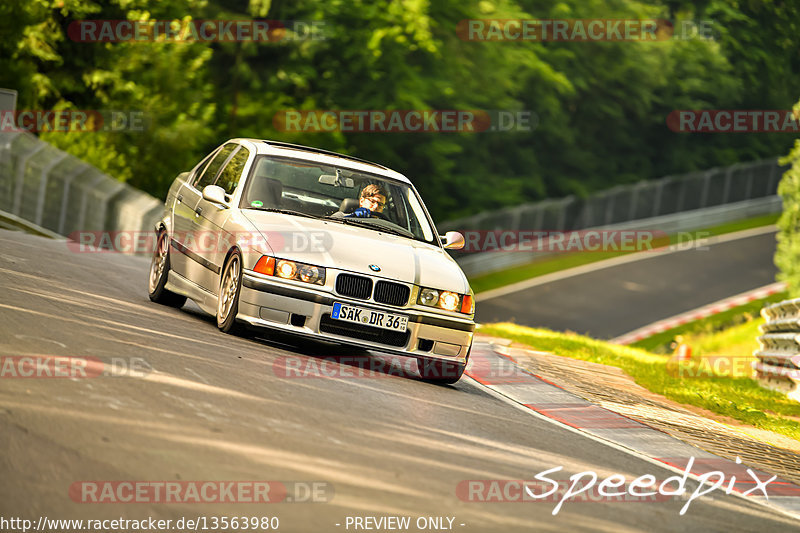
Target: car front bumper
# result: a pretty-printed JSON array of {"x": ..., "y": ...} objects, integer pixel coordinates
[{"x": 306, "y": 311}]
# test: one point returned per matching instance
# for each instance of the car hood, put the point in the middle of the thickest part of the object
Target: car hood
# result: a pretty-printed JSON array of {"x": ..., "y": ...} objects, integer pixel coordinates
[{"x": 348, "y": 247}]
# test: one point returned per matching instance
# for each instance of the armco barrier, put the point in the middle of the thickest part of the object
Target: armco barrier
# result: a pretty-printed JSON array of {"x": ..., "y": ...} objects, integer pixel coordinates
[
  {"x": 778, "y": 365},
  {"x": 475, "y": 264},
  {"x": 670, "y": 204},
  {"x": 63, "y": 194},
  {"x": 59, "y": 192}
]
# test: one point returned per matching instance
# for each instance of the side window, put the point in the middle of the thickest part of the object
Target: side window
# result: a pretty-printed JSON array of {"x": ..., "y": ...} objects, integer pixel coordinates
[
  {"x": 202, "y": 166},
  {"x": 229, "y": 177},
  {"x": 212, "y": 168}
]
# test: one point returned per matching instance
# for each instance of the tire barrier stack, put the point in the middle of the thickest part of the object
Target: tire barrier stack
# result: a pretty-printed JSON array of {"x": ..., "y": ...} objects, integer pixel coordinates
[
  {"x": 778, "y": 365},
  {"x": 58, "y": 192}
]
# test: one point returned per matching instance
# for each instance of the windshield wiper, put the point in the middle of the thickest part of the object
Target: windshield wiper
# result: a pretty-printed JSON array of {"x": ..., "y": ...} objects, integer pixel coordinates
[
  {"x": 364, "y": 223},
  {"x": 282, "y": 211}
]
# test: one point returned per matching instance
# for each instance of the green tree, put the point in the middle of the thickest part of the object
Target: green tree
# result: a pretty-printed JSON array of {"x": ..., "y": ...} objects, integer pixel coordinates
[{"x": 787, "y": 254}]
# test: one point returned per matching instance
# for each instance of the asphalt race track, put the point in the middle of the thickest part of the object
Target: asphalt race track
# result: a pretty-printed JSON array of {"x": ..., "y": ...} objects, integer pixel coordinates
[
  {"x": 609, "y": 302},
  {"x": 200, "y": 405}
]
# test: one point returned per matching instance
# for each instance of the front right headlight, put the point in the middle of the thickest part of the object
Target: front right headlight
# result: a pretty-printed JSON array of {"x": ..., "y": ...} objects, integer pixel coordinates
[{"x": 447, "y": 300}]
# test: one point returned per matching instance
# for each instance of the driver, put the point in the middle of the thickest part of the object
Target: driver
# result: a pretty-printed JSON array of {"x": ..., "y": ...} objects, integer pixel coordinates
[{"x": 371, "y": 202}]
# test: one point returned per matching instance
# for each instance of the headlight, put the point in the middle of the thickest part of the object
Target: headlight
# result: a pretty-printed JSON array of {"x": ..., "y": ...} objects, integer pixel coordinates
[
  {"x": 449, "y": 301},
  {"x": 292, "y": 270},
  {"x": 286, "y": 269},
  {"x": 429, "y": 297}
]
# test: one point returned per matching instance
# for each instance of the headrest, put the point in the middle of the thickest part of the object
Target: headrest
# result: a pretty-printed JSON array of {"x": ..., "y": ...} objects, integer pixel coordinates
[
  {"x": 348, "y": 205},
  {"x": 267, "y": 190}
]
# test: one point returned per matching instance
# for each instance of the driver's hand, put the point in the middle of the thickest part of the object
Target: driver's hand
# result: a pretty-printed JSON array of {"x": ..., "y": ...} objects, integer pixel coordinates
[{"x": 361, "y": 212}]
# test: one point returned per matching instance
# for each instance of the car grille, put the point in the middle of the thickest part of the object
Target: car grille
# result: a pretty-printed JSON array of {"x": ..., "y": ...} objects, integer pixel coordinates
[
  {"x": 354, "y": 286},
  {"x": 365, "y": 333},
  {"x": 391, "y": 293}
]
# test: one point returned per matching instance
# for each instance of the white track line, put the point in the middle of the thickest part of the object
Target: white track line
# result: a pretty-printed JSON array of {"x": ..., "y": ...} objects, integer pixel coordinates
[{"x": 619, "y": 447}]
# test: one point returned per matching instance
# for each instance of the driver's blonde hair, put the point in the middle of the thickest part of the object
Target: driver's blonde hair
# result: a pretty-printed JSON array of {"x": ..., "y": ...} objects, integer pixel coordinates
[{"x": 371, "y": 190}]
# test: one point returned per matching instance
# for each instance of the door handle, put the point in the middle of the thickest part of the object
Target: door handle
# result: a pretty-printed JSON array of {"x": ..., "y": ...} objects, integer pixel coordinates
[
  {"x": 180, "y": 198},
  {"x": 199, "y": 211}
]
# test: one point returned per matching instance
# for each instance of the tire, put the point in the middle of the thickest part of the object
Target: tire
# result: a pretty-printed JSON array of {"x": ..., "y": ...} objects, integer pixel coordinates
[
  {"x": 442, "y": 372},
  {"x": 230, "y": 286},
  {"x": 159, "y": 270}
]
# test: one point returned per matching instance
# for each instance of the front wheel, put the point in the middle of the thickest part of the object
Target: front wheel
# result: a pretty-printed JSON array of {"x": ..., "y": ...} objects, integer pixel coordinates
[
  {"x": 159, "y": 269},
  {"x": 435, "y": 371},
  {"x": 443, "y": 372},
  {"x": 230, "y": 285}
]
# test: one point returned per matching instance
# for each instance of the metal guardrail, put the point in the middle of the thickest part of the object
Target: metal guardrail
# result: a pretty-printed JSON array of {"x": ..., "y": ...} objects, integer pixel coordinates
[
  {"x": 59, "y": 192},
  {"x": 670, "y": 204},
  {"x": 63, "y": 194},
  {"x": 778, "y": 365},
  {"x": 474, "y": 264}
]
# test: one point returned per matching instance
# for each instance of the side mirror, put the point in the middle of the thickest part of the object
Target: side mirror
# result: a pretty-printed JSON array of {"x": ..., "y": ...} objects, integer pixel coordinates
[
  {"x": 453, "y": 240},
  {"x": 215, "y": 194}
]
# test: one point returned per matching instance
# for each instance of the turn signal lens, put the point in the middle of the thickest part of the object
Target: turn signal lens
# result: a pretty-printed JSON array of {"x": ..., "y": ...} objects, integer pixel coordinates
[
  {"x": 265, "y": 265},
  {"x": 466, "y": 305}
]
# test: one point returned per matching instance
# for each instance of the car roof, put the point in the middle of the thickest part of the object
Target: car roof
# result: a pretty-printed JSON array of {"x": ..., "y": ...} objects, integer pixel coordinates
[{"x": 283, "y": 149}]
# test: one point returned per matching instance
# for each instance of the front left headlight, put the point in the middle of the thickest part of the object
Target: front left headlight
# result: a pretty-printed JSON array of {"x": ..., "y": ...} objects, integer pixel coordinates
[
  {"x": 291, "y": 270},
  {"x": 447, "y": 300}
]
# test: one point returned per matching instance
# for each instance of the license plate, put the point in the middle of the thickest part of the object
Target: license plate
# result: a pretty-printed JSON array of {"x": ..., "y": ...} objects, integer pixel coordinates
[{"x": 369, "y": 317}]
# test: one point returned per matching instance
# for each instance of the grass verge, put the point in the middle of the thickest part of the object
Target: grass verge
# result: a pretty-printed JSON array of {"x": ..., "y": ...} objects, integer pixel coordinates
[
  {"x": 660, "y": 342},
  {"x": 697, "y": 383},
  {"x": 563, "y": 261}
]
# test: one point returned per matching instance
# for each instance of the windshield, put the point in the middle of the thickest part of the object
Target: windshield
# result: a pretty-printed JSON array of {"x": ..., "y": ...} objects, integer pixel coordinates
[{"x": 321, "y": 191}]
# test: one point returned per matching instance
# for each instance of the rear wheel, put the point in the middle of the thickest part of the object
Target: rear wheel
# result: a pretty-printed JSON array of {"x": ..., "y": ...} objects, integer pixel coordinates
[
  {"x": 159, "y": 269},
  {"x": 230, "y": 285}
]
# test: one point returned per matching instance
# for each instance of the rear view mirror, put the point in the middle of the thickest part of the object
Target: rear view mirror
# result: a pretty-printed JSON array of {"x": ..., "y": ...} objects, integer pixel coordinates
[{"x": 336, "y": 180}]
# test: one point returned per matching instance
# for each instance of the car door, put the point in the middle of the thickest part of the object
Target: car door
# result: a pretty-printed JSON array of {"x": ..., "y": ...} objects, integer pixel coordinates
[
  {"x": 187, "y": 243},
  {"x": 182, "y": 214},
  {"x": 210, "y": 220}
]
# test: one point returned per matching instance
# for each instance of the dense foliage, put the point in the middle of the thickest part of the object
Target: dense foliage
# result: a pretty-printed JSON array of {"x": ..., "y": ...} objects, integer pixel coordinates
[
  {"x": 787, "y": 255},
  {"x": 601, "y": 106}
]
